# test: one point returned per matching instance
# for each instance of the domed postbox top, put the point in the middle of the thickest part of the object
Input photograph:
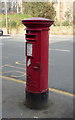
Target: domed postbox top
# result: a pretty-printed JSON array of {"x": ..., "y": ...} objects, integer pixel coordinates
[
  {"x": 36, "y": 19},
  {"x": 37, "y": 22}
]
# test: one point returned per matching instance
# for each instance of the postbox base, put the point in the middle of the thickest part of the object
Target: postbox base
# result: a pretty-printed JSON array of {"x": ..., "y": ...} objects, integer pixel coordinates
[{"x": 36, "y": 100}]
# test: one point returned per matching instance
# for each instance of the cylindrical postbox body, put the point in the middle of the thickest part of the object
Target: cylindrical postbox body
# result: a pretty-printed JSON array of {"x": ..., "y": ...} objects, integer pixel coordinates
[{"x": 37, "y": 42}]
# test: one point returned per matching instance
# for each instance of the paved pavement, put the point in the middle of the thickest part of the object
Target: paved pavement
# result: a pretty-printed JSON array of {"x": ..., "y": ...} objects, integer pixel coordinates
[
  {"x": 60, "y": 106},
  {"x": 60, "y": 78}
]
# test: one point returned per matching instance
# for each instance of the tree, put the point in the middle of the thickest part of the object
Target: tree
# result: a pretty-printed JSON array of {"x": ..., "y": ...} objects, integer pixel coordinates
[
  {"x": 39, "y": 9},
  {"x": 68, "y": 15}
]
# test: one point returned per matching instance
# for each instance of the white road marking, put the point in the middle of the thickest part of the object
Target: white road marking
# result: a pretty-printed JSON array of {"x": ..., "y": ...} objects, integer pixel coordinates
[
  {"x": 35, "y": 117},
  {"x": 60, "y": 50},
  {"x": 5, "y": 37}
]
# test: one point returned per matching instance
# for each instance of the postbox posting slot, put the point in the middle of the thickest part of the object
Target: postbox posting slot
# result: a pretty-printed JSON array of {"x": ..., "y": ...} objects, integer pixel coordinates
[{"x": 30, "y": 36}]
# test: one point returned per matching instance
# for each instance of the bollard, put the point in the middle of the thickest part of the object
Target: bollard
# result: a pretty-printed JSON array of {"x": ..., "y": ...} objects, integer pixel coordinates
[{"x": 37, "y": 42}]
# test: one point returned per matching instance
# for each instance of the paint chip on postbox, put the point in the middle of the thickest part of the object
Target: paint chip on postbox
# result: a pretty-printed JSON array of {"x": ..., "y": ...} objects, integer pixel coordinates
[
  {"x": 29, "y": 49},
  {"x": 29, "y": 62}
]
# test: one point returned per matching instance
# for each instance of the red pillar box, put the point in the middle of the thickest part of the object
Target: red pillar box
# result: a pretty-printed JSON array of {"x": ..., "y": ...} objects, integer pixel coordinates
[{"x": 37, "y": 42}]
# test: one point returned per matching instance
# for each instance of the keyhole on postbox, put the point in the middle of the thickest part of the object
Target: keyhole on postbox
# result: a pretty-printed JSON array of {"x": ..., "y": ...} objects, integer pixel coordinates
[{"x": 37, "y": 66}]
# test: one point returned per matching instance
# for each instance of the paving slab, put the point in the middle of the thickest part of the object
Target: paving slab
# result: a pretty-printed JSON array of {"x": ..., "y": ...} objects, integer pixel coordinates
[{"x": 13, "y": 99}]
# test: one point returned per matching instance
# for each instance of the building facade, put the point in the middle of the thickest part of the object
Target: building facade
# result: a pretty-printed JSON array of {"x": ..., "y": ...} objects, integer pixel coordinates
[
  {"x": 62, "y": 7},
  {"x": 12, "y": 6}
]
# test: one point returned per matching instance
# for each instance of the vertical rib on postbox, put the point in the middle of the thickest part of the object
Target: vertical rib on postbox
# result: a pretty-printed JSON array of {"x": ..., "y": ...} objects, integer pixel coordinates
[{"x": 37, "y": 42}]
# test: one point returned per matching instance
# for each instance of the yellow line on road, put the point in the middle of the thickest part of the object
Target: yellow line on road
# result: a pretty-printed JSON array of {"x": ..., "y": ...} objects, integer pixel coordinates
[
  {"x": 12, "y": 72},
  {"x": 16, "y": 80},
  {"x": 23, "y": 73},
  {"x": 18, "y": 75},
  {"x": 18, "y": 63},
  {"x": 62, "y": 92},
  {"x": 14, "y": 67},
  {"x": 51, "y": 89}
]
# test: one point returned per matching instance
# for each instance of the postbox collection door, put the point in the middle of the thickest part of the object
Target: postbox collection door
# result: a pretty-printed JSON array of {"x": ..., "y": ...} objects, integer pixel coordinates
[{"x": 33, "y": 62}]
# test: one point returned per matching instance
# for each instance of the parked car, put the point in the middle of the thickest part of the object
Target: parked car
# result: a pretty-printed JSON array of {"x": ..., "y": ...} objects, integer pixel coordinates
[{"x": 1, "y": 32}]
